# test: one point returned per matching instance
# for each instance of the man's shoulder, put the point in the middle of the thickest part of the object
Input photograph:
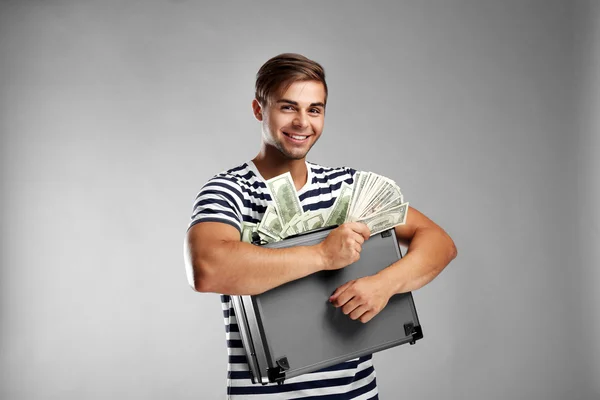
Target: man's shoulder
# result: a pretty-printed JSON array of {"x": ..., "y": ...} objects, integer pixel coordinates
[
  {"x": 236, "y": 175},
  {"x": 241, "y": 178}
]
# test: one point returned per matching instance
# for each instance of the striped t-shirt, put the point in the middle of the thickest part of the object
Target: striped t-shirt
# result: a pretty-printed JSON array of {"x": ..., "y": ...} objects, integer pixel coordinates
[{"x": 241, "y": 194}]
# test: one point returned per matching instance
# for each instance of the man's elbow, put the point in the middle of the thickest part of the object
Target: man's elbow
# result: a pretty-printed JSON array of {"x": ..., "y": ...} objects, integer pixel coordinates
[
  {"x": 453, "y": 252},
  {"x": 199, "y": 276}
]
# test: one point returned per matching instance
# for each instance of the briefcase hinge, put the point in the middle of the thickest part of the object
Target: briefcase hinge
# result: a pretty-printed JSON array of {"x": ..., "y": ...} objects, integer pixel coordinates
[
  {"x": 277, "y": 374},
  {"x": 415, "y": 332}
]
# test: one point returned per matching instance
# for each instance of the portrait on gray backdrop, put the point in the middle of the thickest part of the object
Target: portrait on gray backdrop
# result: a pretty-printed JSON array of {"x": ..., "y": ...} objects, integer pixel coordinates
[{"x": 127, "y": 127}]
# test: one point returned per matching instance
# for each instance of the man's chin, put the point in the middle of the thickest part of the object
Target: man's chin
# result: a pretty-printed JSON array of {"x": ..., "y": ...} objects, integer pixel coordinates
[{"x": 293, "y": 155}]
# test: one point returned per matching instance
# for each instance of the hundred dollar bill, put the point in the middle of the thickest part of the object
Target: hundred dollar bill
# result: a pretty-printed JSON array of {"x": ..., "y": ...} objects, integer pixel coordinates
[
  {"x": 359, "y": 181},
  {"x": 290, "y": 228},
  {"x": 392, "y": 199},
  {"x": 269, "y": 239},
  {"x": 271, "y": 223},
  {"x": 389, "y": 219},
  {"x": 313, "y": 221},
  {"x": 285, "y": 197},
  {"x": 364, "y": 194},
  {"x": 338, "y": 213},
  {"x": 384, "y": 190},
  {"x": 247, "y": 229},
  {"x": 299, "y": 225}
]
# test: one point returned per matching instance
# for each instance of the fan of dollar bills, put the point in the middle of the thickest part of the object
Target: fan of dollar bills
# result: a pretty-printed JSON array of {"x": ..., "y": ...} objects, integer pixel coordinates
[{"x": 373, "y": 200}]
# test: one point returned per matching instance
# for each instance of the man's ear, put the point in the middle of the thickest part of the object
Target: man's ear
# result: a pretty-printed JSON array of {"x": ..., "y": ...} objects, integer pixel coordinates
[{"x": 257, "y": 110}]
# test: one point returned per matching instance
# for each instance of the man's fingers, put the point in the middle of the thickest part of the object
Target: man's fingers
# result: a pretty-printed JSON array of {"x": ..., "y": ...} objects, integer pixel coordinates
[
  {"x": 343, "y": 294},
  {"x": 359, "y": 311},
  {"x": 340, "y": 290},
  {"x": 359, "y": 238},
  {"x": 366, "y": 317},
  {"x": 361, "y": 229}
]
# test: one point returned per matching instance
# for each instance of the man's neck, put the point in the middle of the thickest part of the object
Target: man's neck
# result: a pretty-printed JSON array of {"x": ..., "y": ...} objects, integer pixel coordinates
[{"x": 270, "y": 167}]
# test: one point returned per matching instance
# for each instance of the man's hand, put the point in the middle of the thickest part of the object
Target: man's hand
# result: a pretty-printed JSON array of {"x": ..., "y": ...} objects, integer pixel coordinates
[
  {"x": 362, "y": 298},
  {"x": 343, "y": 245}
]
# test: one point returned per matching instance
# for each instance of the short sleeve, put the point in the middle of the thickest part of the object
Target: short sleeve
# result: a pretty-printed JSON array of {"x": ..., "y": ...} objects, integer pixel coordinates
[
  {"x": 352, "y": 172},
  {"x": 219, "y": 200}
]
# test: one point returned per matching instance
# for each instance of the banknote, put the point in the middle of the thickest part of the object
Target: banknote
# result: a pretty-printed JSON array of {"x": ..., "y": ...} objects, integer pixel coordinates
[
  {"x": 271, "y": 223},
  {"x": 372, "y": 199},
  {"x": 290, "y": 228},
  {"x": 313, "y": 221},
  {"x": 285, "y": 197},
  {"x": 389, "y": 219},
  {"x": 339, "y": 211},
  {"x": 247, "y": 229}
]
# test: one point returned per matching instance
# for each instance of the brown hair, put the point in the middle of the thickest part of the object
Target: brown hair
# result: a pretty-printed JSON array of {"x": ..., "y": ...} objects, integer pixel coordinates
[{"x": 278, "y": 74}]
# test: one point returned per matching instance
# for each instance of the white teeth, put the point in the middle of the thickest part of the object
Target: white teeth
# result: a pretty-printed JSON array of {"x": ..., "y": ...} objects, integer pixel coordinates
[{"x": 297, "y": 137}]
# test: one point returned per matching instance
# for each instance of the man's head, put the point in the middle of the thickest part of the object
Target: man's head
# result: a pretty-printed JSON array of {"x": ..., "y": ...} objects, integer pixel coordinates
[{"x": 290, "y": 99}]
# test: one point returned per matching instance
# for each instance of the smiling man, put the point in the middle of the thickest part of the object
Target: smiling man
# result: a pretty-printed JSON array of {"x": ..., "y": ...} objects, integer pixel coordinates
[{"x": 290, "y": 103}]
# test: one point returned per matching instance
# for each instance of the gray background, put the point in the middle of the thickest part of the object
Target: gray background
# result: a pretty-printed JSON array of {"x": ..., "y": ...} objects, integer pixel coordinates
[{"x": 113, "y": 114}]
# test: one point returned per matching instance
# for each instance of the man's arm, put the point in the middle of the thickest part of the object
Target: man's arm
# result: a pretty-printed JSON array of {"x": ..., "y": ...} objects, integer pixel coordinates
[
  {"x": 430, "y": 250},
  {"x": 217, "y": 261}
]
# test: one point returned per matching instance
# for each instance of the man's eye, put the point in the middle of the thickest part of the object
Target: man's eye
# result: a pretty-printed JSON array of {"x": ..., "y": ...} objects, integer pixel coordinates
[
  {"x": 316, "y": 110},
  {"x": 287, "y": 107}
]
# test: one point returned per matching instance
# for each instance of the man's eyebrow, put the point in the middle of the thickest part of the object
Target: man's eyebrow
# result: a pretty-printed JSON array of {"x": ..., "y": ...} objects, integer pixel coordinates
[{"x": 319, "y": 104}]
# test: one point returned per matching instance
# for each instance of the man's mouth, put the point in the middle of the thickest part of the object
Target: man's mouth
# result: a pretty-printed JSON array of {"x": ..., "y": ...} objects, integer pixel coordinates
[{"x": 296, "y": 137}]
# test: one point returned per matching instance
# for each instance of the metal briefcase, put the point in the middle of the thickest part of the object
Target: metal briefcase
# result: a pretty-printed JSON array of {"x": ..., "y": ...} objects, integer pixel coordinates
[{"x": 292, "y": 329}]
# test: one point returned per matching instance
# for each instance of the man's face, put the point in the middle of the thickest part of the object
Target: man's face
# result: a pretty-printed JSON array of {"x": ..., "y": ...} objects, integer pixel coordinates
[{"x": 293, "y": 121}]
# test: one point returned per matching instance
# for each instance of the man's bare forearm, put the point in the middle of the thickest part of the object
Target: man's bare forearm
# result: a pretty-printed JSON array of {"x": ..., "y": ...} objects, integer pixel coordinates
[
  {"x": 429, "y": 252},
  {"x": 240, "y": 268}
]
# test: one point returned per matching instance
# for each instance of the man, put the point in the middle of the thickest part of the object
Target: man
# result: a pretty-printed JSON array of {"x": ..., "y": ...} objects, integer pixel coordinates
[{"x": 291, "y": 97}]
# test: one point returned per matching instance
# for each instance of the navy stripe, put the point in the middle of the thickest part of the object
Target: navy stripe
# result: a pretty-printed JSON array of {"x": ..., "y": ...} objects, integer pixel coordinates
[
  {"x": 318, "y": 206},
  {"x": 254, "y": 185},
  {"x": 320, "y": 170},
  {"x": 238, "y": 360},
  {"x": 260, "y": 196},
  {"x": 210, "y": 202},
  {"x": 250, "y": 219},
  {"x": 318, "y": 191},
  {"x": 249, "y": 175},
  {"x": 208, "y": 211},
  {"x": 232, "y": 328},
  {"x": 227, "y": 313},
  {"x": 235, "y": 344},
  {"x": 345, "y": 396},
  {"x": 321, "y": 383},
  {"x": 254, "y": 207},
  {"x": 330, "y": 176},
  {"x": 225, "y": 298},
  {"x": 239, "y": 375},
  {"x": 231, "y": 185},
  {"x": 213, "y": 219},
  {"x": 224, "y": 194},
  {"x": 235, "y": 169}
]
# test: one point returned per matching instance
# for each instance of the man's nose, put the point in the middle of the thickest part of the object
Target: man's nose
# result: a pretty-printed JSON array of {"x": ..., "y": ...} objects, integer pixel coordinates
[{"x": 301, "y": 120}]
